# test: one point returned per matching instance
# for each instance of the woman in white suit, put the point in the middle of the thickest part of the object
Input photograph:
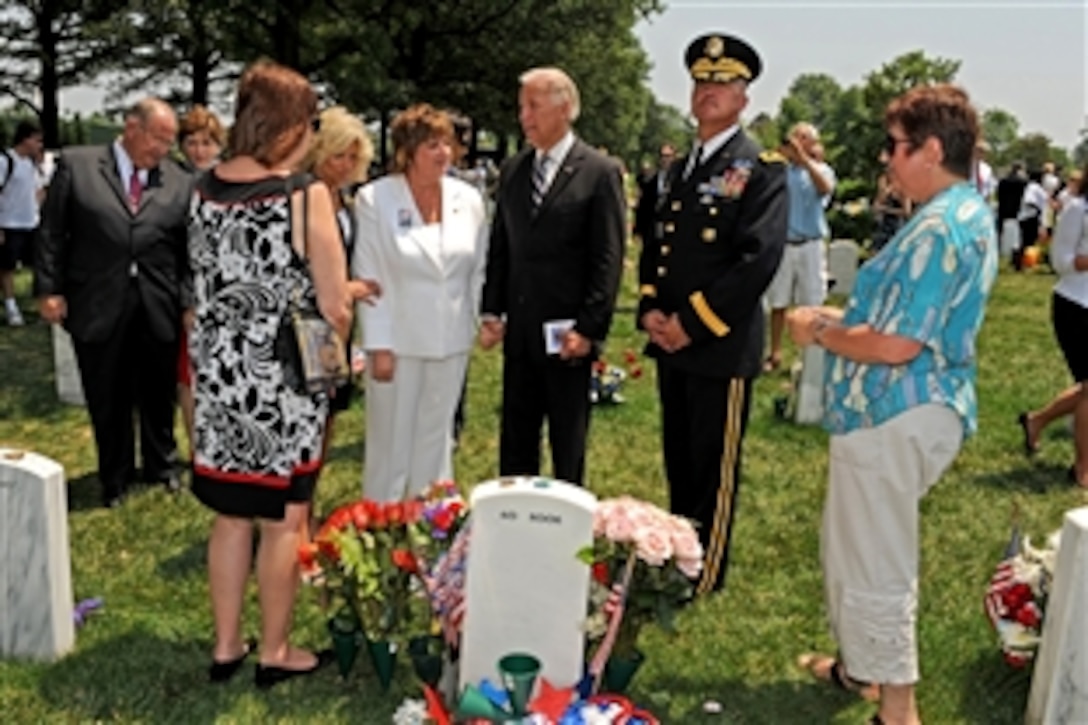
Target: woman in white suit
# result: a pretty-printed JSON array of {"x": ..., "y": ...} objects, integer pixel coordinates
[{"x": 422, "y": 235}]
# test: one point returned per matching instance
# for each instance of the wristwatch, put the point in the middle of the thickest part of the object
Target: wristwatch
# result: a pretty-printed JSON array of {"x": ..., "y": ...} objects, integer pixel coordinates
[{"x": 821, "y": 324}]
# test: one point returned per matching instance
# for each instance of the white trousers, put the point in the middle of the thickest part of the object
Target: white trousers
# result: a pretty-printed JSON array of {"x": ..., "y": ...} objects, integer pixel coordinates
[
  {"x": 869, "y": 541},
  {"x": 409, "y": 424}
]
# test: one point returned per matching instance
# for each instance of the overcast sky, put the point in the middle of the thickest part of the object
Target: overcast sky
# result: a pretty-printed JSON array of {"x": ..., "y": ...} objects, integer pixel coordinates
[{"x": 1026, "y": 57}]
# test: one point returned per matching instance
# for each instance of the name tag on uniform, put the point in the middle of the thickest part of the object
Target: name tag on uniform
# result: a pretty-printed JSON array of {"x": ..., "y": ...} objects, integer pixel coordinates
[{"x": 404, "y": 218}]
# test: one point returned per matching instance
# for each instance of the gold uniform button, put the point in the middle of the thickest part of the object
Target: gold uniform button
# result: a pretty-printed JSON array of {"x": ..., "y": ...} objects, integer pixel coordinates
[
  {"x": 661, "y": 271},
  {"x": 676, "y": 206},
  {"x": 670, "y": 227},
  {"x": 710, "y": 234},
  {"x": 665, "y": 250},
  {"x": 713, "y": 211}
]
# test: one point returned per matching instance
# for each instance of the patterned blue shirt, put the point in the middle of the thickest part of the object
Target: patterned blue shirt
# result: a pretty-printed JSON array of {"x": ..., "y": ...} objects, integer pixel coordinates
[{"x": 930, "y": 284}]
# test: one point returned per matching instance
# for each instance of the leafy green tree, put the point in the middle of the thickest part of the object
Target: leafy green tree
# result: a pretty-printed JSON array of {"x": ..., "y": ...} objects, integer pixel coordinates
[
  {"x": 766, "y": 130},
  {"x": 1035, "y": 149},
  {"x": 1000, "y": 129},
  {"x": 664, "y": 124},
  {"x": 48, "y": 45},
  {"x": 1080, "y": 153},
  {"x": 814, "y": 98}
]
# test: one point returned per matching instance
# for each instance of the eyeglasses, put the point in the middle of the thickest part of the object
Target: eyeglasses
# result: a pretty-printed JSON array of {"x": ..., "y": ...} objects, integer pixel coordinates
[
  {"x": 315, "y": 123},
  {"x": 890, "y": 142}
]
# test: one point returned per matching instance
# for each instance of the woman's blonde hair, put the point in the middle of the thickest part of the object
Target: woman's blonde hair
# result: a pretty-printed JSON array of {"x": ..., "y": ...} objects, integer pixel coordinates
[{"x": 339, "y": 130}]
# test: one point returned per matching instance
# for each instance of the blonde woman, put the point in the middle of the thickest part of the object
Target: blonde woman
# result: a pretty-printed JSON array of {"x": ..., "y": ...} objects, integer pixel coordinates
[{"x": 339, "y": 156}]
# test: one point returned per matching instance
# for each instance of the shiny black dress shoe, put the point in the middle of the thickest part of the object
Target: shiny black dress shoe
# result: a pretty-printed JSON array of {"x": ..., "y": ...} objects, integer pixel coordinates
[
  {"x": 223, "y": 671},
  {"x": 268, "y": 676}
]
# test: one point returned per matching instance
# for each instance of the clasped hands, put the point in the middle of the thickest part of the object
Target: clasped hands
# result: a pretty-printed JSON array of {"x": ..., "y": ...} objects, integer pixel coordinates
[
  {"x": 803, "y": 321},
  {"x": 574, "y": 345},
  {"x": 665, "y": 331}
]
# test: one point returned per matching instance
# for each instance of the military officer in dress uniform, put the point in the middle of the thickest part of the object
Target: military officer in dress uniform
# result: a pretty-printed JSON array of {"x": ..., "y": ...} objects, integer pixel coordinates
[{"x": 720, "y": 227}]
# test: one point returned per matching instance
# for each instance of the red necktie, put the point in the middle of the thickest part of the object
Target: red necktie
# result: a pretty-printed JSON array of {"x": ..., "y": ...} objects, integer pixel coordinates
[{"x": 135, "y": 191}]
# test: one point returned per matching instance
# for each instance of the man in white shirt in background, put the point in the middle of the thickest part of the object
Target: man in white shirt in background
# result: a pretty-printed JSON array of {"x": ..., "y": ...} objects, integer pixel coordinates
[{"x": 19, "y": 214}]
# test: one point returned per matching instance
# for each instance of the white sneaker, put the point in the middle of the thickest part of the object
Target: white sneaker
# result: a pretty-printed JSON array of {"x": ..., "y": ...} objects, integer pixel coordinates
[{"x": 15, "y": 317}]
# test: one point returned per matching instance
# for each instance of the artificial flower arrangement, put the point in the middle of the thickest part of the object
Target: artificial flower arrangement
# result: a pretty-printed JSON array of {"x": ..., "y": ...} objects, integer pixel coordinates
[
  {"x": 607, "y": 380},
  {"x": 1016, "y": 597},
  {"x": 643, "y": 561}
]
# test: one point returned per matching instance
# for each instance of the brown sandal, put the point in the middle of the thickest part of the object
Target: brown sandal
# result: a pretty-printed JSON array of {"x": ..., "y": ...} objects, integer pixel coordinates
[{"x": 829, "y": 669}]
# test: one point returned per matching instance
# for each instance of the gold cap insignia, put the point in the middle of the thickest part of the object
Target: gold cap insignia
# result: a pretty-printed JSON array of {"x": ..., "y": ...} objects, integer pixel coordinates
[{"x": 715, "y": 46}]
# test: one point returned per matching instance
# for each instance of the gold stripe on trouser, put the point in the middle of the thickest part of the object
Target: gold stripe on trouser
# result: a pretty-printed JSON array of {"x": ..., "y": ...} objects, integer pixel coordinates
[{"x": 723, "y": 509}]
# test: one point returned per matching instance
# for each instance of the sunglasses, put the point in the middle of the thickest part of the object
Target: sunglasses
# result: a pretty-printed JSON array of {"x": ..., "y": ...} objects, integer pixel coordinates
[{"x": 890, "y": 142}]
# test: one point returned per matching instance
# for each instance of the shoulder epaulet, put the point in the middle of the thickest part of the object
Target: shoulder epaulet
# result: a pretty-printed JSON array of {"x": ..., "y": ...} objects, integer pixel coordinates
[{"x": 771, "y": 157}]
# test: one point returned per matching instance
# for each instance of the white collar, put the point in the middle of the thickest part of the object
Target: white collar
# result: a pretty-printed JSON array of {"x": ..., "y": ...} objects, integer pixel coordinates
[
  {"x": 559, "y": 151},
  {"x": 715, "y": 142}
]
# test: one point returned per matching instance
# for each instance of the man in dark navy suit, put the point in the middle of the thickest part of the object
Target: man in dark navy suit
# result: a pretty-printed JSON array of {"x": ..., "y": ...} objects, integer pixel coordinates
[
  {"x": 112, "y": 265},
  {"x": 720, "y": 231},
  {"x": 553, "y": 271}
]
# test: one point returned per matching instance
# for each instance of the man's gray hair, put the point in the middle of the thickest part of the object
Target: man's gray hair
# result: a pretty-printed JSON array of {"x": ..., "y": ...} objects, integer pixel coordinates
[
  {"x": 560, "y": 87},
  {"x": 145, "y": 108},
  {"x": 807, "y": 128}
]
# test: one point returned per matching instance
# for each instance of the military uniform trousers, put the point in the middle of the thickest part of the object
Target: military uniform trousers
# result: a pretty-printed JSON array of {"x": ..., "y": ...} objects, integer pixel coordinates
[{"x": 703, "y": 424}]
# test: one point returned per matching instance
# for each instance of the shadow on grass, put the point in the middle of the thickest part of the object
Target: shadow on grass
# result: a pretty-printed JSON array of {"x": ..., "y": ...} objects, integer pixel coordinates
[
  {"x": 745, "y": 702},
  {"x": 84, "y": 493},
  {"x": 135, "y": 677},
  {"x": 1036, "y": 478},
  {"x": 186, "y": 563},
  {"x": 993, "y": 692}
]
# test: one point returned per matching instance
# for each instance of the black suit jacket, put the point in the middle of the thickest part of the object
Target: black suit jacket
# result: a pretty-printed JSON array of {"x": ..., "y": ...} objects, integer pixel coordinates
[
  {"x": 718, "y": 240},
  {"x": 562, "y": 260},
  {"x": 647, "y": 206},
  {"x": 92, "y": 246}
]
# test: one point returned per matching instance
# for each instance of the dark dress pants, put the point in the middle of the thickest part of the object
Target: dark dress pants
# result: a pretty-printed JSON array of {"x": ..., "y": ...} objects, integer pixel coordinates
[
  {"x": 130, "y": 372},
  {"x": 537, "y": 390},
  {"x": 703, "y": 420}
]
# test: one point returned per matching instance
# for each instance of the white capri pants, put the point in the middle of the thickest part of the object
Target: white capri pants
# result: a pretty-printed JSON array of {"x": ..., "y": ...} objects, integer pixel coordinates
[
  {"x": 869, "y": 543},
  {"x": 801, "y": 277},
  {"x": 409, "y": 424}
]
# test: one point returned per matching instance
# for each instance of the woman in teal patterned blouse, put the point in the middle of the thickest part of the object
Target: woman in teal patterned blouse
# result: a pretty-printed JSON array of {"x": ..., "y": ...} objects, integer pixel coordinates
[{"x": 900, "y": 394}]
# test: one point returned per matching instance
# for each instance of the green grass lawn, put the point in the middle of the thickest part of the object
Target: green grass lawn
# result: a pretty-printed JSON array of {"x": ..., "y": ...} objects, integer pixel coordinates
[{"x": 143, "y": 658}]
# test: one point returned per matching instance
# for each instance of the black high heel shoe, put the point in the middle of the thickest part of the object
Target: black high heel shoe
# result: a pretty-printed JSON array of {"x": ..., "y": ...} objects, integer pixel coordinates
[
  {"x": 223, "y": 671},
  {"x": 268, "y": 676}
]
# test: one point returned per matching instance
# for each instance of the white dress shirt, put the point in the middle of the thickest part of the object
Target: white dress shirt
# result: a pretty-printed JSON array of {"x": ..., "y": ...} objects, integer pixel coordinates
[
  {"x": 1070, "y": 240},
  {"x": 556, "y": 155}
]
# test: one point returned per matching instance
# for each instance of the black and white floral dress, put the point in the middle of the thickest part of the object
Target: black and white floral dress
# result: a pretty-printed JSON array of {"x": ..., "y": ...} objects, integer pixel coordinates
[{"x": 258, "y": 443}]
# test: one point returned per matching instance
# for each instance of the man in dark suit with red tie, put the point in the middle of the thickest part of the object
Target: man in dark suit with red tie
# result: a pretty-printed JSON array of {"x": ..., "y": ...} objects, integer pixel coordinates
[
  {"x": 720, "y": 232},
  {"x": 113, "y": 267},
  {"x": 553, "y": 271}
]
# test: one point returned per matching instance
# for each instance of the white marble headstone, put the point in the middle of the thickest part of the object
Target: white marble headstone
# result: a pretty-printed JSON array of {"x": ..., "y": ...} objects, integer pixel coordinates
[
  {"x": 842, "y": 263},
  {"x": 525, "y": 589},
  {"x": 808, "y": 386},
  {"x": 1059, "y": 685},
  {"x": 1010, "y": 238},
  {"x": 35, "y": 570},
  {"x": 66, "y": 368}
]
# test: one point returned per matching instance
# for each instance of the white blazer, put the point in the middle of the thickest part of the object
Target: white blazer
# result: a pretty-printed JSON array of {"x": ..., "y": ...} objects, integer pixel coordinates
[{"x": 431, "y": 282}]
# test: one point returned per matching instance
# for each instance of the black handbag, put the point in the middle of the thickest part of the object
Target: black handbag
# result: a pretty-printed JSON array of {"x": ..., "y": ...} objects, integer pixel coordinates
[{"x": 313, "y": 357}]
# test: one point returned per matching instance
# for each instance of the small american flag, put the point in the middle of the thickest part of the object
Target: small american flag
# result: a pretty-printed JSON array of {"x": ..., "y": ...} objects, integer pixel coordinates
[{"x": 1003, "y": 579}]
